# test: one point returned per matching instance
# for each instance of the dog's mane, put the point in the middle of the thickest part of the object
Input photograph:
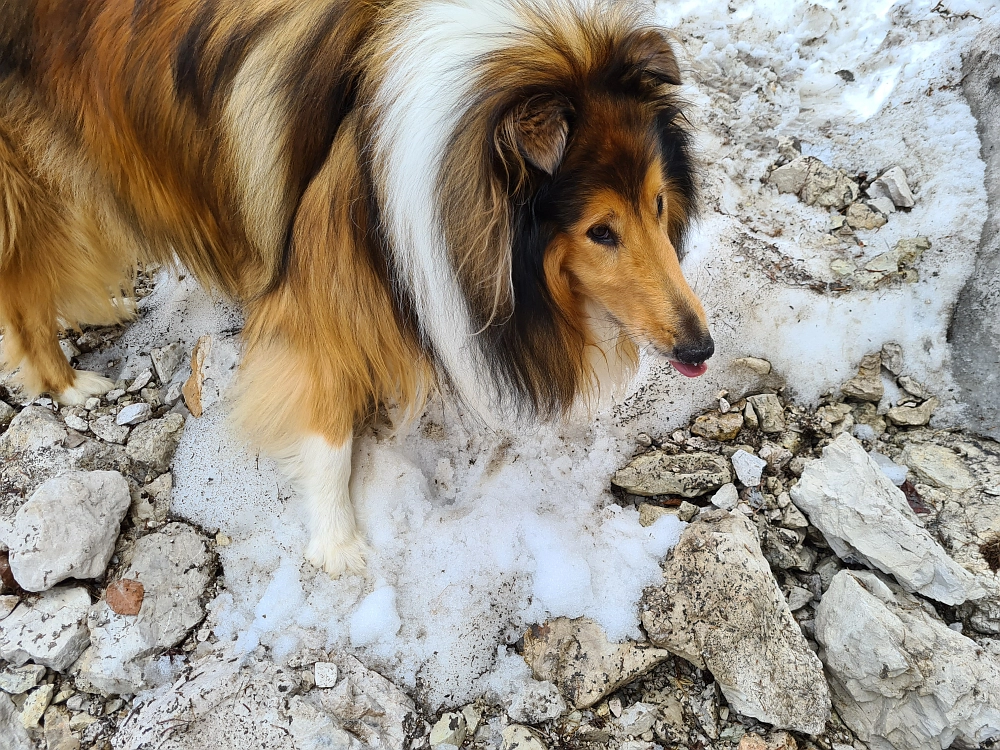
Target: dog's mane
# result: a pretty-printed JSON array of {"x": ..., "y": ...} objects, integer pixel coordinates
[{"x": 465, "y": 212}]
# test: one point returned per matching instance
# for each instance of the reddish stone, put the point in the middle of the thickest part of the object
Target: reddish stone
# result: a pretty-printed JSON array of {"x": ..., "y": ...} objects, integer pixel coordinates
[
  {"x": 7, "y": 582},
  {"x": 125, "y": 596}
]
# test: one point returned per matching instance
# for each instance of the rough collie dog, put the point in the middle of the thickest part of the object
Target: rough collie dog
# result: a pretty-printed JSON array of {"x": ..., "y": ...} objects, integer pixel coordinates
[{"x": 488, "y": 193}]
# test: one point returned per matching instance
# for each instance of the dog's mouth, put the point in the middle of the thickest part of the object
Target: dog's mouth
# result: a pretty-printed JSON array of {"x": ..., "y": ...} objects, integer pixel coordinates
[{"x": 689, "y": 370}]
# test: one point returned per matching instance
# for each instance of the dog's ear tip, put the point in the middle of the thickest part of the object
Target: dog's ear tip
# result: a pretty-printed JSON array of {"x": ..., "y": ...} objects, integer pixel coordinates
[{"x": 654, "y": 54}]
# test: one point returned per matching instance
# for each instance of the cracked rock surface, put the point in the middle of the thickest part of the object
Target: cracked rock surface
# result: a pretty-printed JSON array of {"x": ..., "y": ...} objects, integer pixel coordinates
[
  {"x": 863, "y": 514},
  {"x": 900, "y": 677},
  {"x": 720, "y": 608},
  {"x": 68, "y": 528}
]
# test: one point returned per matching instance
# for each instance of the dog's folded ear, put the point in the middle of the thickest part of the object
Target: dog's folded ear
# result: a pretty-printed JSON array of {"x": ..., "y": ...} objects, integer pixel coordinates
[
  {"x": 651, "y": 55},
  {"x": 538, "y": 130}
]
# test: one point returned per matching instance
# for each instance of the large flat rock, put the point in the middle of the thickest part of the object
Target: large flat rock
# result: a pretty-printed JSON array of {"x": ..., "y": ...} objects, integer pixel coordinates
[
  {"x": 68, "y": 528},
  {"x": 721, "y": 609}
]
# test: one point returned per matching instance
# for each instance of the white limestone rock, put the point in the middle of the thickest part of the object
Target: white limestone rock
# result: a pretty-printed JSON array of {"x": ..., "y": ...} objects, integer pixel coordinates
[
  {"x": 892, "y": 184},
  {"x": 770, "y": 412},
  {"x": 815, "y": 183},
  {"x": 325, "y": 674},
  {"x": 68, "y": 528},
  {"x": 684, "y": 474},
  {"x": 863, "y": 515},
  {"x": 913, "y": 416},
  {"x": 884, "y": 206},
  {"x": 867, "y": 384},
  {"x": 141, "y": 381},
  {"x": 862, "y": 216},
  {"x": 12, "y": 735},
  {"x": 18, "y": 680},
  {"x": 35, "y": 704},
  {"x": 231, "y": 702},
  {"x": 153, "y": 443},
  {"x": 219, "y": 704},
  {"x": 900, "y": 677},
  {"x": 134, "y": 414},
  {"x": 450, "y": 729},
  {"x": 638, "y": 719},
  {"x": 518, "y": 737},
  {"x": 748, "y": 467},
  {"x": 166, "y": 360},
  {"x": 937, "y": 466},
  {"x": 51, "y": 631},
  {"x": 720, "y": 608},
  {"x": 756, "y": 364},
  {"x": 791, "y": 177},
  {"x": 36, "y": 447},
  {"x": 106, "y": 427},
  {"x": 174, "y": 566},
  {"x": 577, "y": 656},
  {"x": 727, "y": 497}
]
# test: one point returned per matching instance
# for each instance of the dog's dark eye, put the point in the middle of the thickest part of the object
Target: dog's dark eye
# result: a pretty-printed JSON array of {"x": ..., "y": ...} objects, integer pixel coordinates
[
  {"x": 602, "y": 234},
  {"x": 659, "y": 206}
]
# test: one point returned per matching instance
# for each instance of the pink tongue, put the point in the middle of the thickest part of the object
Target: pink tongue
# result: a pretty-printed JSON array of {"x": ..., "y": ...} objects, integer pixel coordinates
[{"x": 689, "y": 371}]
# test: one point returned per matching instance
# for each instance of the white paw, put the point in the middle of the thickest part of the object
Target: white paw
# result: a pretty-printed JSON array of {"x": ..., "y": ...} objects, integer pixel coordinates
[
  {"x": 337, "y": 558},
  {"x": 87, "y": 385}
]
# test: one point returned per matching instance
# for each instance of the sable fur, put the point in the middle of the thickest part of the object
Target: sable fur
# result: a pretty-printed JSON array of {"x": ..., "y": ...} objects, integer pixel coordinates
[{"x": 397, "y": 191}]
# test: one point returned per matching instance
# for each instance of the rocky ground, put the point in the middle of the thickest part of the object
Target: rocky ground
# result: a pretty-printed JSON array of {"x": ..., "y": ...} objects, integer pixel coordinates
[{"x": 835, "y": 586}]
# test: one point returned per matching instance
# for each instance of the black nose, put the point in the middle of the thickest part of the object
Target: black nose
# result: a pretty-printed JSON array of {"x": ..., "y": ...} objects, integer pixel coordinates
[{"x": 695, "y": 352}]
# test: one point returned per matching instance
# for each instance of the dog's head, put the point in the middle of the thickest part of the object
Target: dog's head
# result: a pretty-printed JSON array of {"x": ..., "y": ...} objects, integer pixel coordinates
[{"x": 589, "y": 181}]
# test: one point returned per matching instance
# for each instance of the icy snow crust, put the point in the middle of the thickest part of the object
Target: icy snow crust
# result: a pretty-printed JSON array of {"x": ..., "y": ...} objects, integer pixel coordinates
[{"x": 478, "y": 534}]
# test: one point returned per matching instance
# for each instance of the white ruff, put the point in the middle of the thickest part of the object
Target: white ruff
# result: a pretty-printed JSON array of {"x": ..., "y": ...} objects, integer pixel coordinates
[{"x": 430, "y": 81}]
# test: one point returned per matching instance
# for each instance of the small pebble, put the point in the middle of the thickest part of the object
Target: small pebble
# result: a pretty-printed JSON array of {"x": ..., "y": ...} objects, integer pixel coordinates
[
  {"x": 687, "y": 511},
  {"x": 615, "y": 707},
  {"x": 748, "y": 468},
  {"x": 325, "y": 673},
  {"x": 759, "y": 366},
  {"x": 134, "y": 414},
  {"x": 79, "y": 722},
  {"x": 141, "y": 381}
]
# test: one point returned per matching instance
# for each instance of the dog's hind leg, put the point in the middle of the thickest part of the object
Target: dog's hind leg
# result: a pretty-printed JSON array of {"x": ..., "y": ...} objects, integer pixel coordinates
[
  {"x": 29, "y": 319},
  {"x": 40, "y": 269}
]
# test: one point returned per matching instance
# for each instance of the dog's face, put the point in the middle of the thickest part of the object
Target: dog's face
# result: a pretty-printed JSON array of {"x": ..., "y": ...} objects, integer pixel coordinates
[
  {"x": 616, "y": 199},
  {"x": 586, "y": 179},
  {"x": 614, "y": 249}
]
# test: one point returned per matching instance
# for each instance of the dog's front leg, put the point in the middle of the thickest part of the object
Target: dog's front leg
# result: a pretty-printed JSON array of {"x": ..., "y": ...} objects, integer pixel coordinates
[{"x": 321, "y": 470}]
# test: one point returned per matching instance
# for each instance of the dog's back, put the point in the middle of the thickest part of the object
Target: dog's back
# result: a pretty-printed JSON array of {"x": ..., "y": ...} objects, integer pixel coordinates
[{"x": 137, "y": 131}]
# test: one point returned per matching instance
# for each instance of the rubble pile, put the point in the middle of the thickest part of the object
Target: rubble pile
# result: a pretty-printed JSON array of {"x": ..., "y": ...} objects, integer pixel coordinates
[{"x": 838, "y": 562}]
